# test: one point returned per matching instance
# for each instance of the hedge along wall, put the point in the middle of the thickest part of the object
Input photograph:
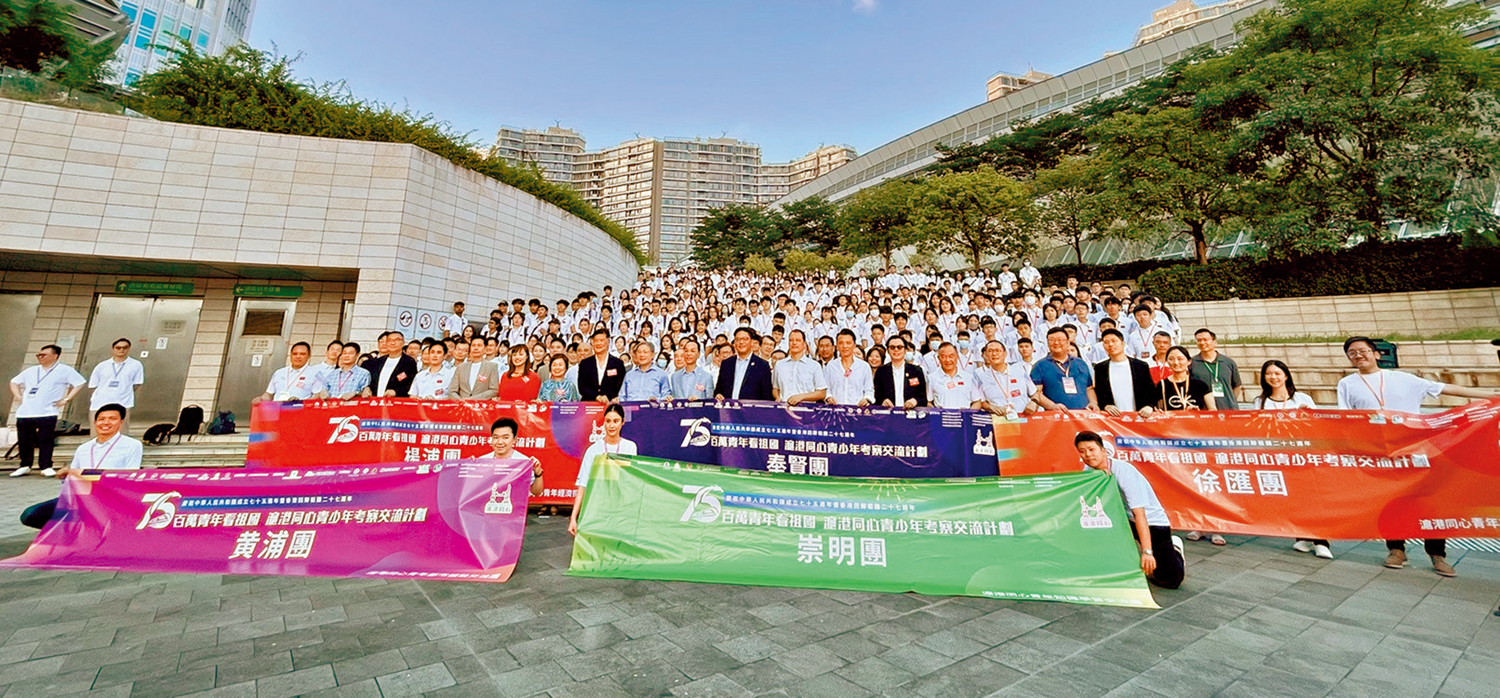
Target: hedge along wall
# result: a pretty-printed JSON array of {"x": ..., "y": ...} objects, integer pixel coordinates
[
  {"x": 1416, "y": 265},
  {"x": 1087, "y": 273}
]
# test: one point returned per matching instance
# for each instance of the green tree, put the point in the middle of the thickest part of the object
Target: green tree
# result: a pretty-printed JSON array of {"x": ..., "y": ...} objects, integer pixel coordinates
[
  {"x": 730, "y": 234},
  {"x": 976, "y": 214},
  {"x": 878, "y": 220},
  {"x": 1022, "y": 151},
  {"x": 1370, "y": 109},
  {"x": 756, "y": 264},
  {"x": 34, "y": 33},
  {"x": 1165, "y": 169},
  {"x": 1073, "y": 202},
  {"x": 812, "y": 221}
]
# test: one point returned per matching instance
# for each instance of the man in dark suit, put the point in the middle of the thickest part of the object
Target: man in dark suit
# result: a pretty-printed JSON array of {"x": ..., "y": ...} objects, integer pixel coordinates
[
  {"x": 744, "y": 376},
  {"x": 1115, "y": 392},
  {"x": 391, "y": 375},
  {"x": 600, "y": 376},
  {"x": 900, "y": 383}
]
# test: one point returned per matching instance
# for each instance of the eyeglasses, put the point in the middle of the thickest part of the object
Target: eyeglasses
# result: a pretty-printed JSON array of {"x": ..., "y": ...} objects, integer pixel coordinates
[{"x": 1356, "y": 353}]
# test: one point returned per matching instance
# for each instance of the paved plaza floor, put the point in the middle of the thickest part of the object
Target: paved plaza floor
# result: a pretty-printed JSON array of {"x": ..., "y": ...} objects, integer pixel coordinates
[{"x": 1253, "y": 619}]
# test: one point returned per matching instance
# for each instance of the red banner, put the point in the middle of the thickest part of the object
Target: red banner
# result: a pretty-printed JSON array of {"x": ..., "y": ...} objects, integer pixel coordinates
[
  {"x": 1309, "y": 473},
  {"x": 335, "y": 432}
]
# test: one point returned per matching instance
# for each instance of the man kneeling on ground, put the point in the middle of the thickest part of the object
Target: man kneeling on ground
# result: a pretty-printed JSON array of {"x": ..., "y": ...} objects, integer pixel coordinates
[{"x": 1161, "y": 552}]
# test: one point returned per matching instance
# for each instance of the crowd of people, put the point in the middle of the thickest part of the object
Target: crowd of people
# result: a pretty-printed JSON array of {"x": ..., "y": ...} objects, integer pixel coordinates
[{"x": 903, "y": 338}]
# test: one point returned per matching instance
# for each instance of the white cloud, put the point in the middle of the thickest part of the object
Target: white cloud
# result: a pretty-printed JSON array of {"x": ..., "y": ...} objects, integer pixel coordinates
[{"x": 865, "y": 6}]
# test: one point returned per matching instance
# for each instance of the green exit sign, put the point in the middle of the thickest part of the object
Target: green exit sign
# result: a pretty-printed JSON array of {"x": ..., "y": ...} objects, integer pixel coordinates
[
  {"x": 155, "y": 288},
  {"x": 267, "y": 291}
]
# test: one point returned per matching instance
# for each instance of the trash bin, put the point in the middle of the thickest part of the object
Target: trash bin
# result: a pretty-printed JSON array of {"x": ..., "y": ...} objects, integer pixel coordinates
[{"x": 1385, "y": 354}]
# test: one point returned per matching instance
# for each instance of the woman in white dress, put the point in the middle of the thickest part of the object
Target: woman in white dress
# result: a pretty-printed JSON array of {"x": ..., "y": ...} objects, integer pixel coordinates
[{"x": 612, "y": 443}]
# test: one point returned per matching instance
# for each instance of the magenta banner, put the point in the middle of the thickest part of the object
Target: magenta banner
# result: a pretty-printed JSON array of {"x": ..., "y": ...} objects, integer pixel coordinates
[{"x": 453, "y": 520}]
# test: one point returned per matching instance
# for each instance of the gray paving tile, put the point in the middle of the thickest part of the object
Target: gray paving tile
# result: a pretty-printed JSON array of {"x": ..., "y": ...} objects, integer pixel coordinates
[
  {"x": 415, "y": 681},
  {"x": 296, "y": 683}
]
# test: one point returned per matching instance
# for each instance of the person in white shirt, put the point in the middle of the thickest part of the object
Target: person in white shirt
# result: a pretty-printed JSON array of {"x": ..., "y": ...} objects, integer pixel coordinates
[
  {"x": 612, "y": 443},
  {"x": 949, "y": 387},
  {"x": 1138, "y": 342},
  {"x": 1161, "y": 552},
  {"x": 434, "y": 381},
  {"x": 1005, "y": 388},
  {"x": 1030, "y": 277},
  {"x": 453, "y": 325},
  {"x": 850, "y": 379},
  {"x": 330, "y": 365},
  {"x": 1374, "y": 388},
  {"x": 1278, "y": 392},
  {"x": 798, "y": 377},
  {"x": 116, "y": 379},
  {"x": 503, "y": 447},
  {"x": 296, "y": 381},
  {"x": 110, "y": 449},
  {"x": 40, "y": 393}
]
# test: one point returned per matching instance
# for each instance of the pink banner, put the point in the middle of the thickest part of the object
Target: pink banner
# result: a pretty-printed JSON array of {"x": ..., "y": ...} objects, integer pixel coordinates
[{"x": 455, "y": 520}]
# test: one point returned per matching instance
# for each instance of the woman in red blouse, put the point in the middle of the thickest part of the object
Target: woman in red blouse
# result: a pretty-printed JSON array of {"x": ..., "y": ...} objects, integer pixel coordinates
[{"x": 519, "y": 381}]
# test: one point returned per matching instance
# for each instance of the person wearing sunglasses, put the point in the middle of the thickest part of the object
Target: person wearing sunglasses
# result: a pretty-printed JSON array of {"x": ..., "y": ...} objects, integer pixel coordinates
[
  {"x": 1374, "y": 388},
  {"x": 41, "y": 393}
]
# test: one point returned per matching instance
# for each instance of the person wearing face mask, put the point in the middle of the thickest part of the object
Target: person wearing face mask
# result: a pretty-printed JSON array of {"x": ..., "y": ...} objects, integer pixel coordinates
[{"x": 645, "y": 381}]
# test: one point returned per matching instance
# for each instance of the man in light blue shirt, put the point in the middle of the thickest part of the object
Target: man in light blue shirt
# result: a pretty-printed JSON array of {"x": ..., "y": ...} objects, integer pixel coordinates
[
  {"x": 644, "y": 381},
  {"x": 297, "y": 380},
  {"x": 693, "y": 382}
]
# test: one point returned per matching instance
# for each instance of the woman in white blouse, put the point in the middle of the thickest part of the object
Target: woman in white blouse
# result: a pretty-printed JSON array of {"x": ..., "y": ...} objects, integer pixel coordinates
[
  {"x": 612, "y": 443},
  {"x": 1279, "y": 392}
]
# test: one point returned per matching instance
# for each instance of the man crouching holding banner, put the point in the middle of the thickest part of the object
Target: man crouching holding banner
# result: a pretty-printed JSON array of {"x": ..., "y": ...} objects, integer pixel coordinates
[
  {"x": 1161, "y": 552},
  {"x": 108, "y": 450}
]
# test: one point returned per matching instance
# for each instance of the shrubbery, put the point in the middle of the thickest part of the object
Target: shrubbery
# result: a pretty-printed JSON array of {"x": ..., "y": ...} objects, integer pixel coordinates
[
  {"x": 1432, "y": 264},
  {"x": 1104, "y": 272}
]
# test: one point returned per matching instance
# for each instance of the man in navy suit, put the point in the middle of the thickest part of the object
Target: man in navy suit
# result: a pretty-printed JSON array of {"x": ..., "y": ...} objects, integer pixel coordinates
[
  {"x": 900, "y": 378},
  {"x": 745, "y": 376},
  {"x": 600, "y": 376}
]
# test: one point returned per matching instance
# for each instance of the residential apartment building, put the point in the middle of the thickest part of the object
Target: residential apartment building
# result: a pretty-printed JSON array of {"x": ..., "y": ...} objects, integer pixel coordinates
[
  {"x": 1002, "y": 84},
  {"x": 210, "y": 26},
  {"x": 555, "y": 150},
  {"x": 816, "y": 164},
  {"x": 1184, "y": 14}
]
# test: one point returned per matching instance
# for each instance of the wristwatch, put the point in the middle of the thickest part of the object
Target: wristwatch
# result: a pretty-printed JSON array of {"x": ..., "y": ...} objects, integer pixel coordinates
[{"x": 1148, "y": 552}]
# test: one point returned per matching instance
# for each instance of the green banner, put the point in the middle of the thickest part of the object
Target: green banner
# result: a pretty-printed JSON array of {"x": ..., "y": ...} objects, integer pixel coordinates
[
  {"x": 155, "y": 288},
  {"x": 1055, "y": 537},
  {"x": 267, "y": 291}
]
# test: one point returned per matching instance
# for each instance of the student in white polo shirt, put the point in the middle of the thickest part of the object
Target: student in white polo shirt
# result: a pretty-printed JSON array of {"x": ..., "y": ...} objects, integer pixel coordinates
[
  {"x": 453, "y": 325},
  {"x": 110, "y": 449},
  {"x": 116, "y": 379},
  {"x": 40, "y": 393},
  {"x": 1374, "y": 388}
]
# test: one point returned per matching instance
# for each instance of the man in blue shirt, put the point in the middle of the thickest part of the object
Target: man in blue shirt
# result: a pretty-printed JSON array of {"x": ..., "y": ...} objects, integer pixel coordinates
[
  {"x": 644, "y": 381},
  {"x": 693, "y": 382},
  {"x": 1063, "y": 381}
]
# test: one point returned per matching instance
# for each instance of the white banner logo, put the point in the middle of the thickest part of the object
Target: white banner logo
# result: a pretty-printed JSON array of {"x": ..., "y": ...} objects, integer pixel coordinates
[
  {"x": 159, "y": 514},
  {"x": 345, "y": 429},
  {"x": 705, "y": 505},
  {"x": 697, "y": 432}
]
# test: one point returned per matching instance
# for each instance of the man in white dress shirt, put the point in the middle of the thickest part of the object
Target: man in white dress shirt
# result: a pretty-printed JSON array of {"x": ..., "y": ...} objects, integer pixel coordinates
[
  {"x": 295, "y": 381},
  {"x": 116, "y": 379},
  {"x": 40, "y": 393},
  {"x": 798, "y": 377},
  {"x": 108, "y": 450},
  {"x": 850, "y": 379}
]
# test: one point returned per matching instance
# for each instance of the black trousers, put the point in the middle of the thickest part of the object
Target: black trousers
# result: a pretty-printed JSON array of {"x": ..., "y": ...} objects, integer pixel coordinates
[
  {"x": 1435, "y": 547},
  {"x": 38, "y": 433},
  {"x": 37, "y": 515},
  {"x": 1170, "y": 568}
]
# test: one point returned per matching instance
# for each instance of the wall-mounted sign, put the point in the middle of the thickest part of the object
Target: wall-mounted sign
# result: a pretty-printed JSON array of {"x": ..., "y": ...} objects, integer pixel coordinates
[
  {"x": 267, "y": 291},
  {"x": 155, "y": 288}
]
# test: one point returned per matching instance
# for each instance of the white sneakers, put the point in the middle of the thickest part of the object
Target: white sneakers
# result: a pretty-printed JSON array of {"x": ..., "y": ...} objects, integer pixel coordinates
[
  {"x": 1322, "y": 551},
  {"x": 18, "y": 472},
  {"x": 48, "y": 472},
  {"x": 1318, "y": 549},
  {"x": 1303, "y": 546}
]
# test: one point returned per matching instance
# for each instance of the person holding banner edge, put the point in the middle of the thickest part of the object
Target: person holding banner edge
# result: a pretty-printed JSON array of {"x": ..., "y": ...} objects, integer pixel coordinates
[
  {"x": 503, "y": 447},
  {"x": 612, "y": 443},
  {"x": 1374, "y": 388},
  {"x": 108, "y": 450},
  {"x": 1279, "y": 392},
  {"x": 1161, "y": 552}
]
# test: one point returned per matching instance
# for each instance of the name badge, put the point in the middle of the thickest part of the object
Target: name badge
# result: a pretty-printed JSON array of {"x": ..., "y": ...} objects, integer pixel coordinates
[
  {"x": 952, "y": 385},
  {"x": 401, "y": 376},
  {"x": 114, "y": 384},
  {"x": 609, "y": 372},
  {"x": 1069, "y": 386},
  {"x": 483, "y": 378},
  {"x": 913, "y": 382},
  {"x": 1218, "y": 391},
  {"x": 1015, "y": 393},
  {"x": 33, "y": 391}
]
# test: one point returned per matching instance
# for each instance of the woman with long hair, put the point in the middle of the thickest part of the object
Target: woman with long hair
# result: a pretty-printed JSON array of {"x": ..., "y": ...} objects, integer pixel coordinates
[
  {"x": 1279, "y": 392},
  {"x": 519, "y": 382},
  {"x": 1181, "y": 392}
]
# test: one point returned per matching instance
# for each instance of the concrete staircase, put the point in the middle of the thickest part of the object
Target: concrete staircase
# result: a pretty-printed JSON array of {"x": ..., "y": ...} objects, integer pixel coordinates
[
  {"x": 1317, "y": 368},
  {"x": 227, "y": 451}
]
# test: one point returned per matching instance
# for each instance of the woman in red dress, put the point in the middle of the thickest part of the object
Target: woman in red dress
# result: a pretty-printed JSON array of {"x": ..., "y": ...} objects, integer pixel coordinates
[{"x": 519, "y": 382}]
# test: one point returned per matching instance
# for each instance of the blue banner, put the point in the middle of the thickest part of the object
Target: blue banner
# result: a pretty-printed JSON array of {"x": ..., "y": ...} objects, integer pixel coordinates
[{"x": 836, "y": 440}]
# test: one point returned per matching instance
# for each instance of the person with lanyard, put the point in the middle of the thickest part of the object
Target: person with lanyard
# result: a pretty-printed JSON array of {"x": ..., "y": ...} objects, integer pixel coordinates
[
  {"x": 1161, "y": 552},
  {"x": 611, "y": 444},
  {"x": 851, "y": 380},
  {"x": 1278, "y": 392},
  {"x": 116, "y": 379},
  {"x": 1375, "y": 388},
  {"x": 1005, "y": 388},
  {"x": 693, "y": 382},
  {"x": 434, "y": 381},
  {"x": 519, "y": 382},
  {"x": 557, "y": 387},
  {"x": 110, "y": 449},
  {"x": 1065, "y": 381},
  {"x": 295, "y": 381},
  {"x": 798, "y": 378},
  {"x": 1220, "y": 372},
  {"x": 41, "y": 393},
  {"x": 950, "y": 387},
  {"x": 503, "y": 434},
  {"x": 330, "y": 365},
  {"x": 1180, "y": 392},
  {"x": 1143, "y": 330},
  {"x": 645, "y": 381},
  {"x": 1161, "y": 342},
  {"x": 347, "y": 381}
]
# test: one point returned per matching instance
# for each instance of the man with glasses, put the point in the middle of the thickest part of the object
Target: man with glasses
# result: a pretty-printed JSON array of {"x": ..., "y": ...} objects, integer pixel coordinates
[
  {"x": 41, "y": 392},
  {"x": 1375, "y": 388},
  {"x": 115, "y": 381}
]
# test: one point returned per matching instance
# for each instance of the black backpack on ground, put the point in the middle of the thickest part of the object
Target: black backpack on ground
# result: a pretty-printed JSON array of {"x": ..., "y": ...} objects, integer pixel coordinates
[
  {"x": 159, "y": 434},
  {"x": 223, "y": 424},
  {"x": 189, "y": 422}
]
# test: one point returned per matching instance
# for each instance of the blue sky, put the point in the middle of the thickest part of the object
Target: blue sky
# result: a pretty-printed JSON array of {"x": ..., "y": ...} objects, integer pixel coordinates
[{"x": 788, "y": 74}]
